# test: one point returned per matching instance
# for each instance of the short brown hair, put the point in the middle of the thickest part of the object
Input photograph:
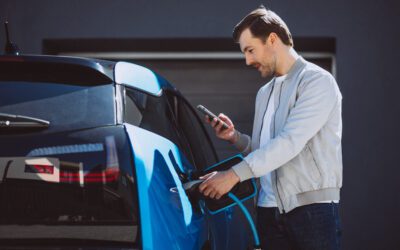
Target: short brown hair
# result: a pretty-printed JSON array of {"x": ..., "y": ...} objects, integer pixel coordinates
[{"x": 261, "y": 23}]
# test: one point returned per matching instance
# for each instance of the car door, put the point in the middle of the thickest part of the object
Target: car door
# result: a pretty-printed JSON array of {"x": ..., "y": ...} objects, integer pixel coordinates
[
  {"x": 229, "y": 228},
  {"x": 162, "y": 162}
]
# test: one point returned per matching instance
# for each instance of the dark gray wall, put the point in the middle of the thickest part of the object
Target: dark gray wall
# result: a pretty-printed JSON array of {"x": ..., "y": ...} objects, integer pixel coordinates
[{"x": 367, "y": 38}]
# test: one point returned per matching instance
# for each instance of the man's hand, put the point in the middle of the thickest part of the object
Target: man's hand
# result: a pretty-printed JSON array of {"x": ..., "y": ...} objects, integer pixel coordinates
[
  {"x": 229, "y": 134},
  {"x": 217, "y": 184}
]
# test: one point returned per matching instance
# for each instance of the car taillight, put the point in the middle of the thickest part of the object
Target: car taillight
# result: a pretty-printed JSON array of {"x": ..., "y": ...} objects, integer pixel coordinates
[
  {"x": 39, "y": 169},
  {"x": 108, "y": 175},
  {"x": 73, "y": 172}
]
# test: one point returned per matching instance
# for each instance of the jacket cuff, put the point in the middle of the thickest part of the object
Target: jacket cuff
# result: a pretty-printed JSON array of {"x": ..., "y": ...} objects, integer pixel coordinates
[
  {"x": 243, "y": 170},
  {"x": 243, "y": 142}
]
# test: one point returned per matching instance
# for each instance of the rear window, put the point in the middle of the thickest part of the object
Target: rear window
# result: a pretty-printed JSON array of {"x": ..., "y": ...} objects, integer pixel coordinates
[{"x": 65, "y": 106}]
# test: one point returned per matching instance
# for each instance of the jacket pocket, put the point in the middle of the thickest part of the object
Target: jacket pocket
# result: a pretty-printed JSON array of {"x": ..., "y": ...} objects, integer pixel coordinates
[{"x": 315, "y": 170}]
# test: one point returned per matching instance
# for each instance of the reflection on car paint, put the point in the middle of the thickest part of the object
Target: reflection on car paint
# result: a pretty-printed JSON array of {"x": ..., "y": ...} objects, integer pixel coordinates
[
  {"x": 159, "y": 208},
  {"x": 137, "y": 77}
]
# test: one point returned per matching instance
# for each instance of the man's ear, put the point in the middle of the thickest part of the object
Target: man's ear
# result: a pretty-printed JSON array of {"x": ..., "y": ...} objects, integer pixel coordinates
[{"x": 272, "y": 38}]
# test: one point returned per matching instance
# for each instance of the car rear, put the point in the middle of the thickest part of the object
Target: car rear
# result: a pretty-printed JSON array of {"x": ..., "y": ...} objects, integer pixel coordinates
[{"x": 66, "y": 173}]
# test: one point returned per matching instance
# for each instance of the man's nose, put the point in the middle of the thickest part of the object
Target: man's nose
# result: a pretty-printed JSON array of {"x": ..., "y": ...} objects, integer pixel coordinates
[{"x": 249, "y": 60}]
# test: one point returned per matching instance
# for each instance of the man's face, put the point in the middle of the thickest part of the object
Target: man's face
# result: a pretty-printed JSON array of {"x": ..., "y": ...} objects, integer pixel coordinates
[{"x": 258, "y": 54}]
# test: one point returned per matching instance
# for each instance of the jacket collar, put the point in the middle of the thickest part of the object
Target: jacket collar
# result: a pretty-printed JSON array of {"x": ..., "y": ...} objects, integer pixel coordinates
[{"x": 299, "y": 64}]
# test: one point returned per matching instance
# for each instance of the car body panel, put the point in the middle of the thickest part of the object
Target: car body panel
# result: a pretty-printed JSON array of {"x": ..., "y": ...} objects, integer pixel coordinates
[
  {"x": 166, "y": 215},
  {"x": 138, "y": 77}
]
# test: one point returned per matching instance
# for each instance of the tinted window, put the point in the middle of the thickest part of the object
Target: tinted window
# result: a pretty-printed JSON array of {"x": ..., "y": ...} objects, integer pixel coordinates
[
  {"x": 202, "y": 149},
  {"x": 65, "y": 106},
  {"x": 151, "y": 113},
  {"x": 155, "y": 114}
]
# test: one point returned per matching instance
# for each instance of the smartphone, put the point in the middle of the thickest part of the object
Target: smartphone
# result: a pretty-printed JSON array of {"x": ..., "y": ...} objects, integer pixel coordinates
[{"x": 211, "y": 115}]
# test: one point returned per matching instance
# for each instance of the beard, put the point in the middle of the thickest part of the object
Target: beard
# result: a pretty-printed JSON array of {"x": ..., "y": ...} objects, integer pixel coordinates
[
  {"x": 267, "y": 72},
  {"x": 269, "y": 69}
]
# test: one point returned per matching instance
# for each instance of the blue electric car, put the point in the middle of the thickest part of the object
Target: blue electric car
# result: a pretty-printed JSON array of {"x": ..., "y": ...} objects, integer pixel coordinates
[{"x": 94, "y": 155}]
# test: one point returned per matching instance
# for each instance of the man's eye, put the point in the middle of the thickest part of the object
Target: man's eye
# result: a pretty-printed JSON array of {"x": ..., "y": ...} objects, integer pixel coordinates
[{"x": 251, "y": 50}]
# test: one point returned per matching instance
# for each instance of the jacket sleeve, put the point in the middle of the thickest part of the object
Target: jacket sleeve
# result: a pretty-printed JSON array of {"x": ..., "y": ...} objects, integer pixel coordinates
[
  {"x": 243, "y": 144},
  {"x": 317, "y": 98}
]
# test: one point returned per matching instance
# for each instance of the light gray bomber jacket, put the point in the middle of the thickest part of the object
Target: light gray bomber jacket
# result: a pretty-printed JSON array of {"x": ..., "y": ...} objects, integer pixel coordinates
[{"x": 304, "y": 154}]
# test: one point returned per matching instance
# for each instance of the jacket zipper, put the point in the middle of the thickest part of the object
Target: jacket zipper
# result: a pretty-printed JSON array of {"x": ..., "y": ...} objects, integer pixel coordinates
[{"x": 276, "y": 173}]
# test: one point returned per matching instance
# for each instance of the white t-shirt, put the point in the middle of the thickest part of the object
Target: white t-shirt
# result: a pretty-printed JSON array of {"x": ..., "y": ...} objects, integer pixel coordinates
[{"x": 266, "y": 197}]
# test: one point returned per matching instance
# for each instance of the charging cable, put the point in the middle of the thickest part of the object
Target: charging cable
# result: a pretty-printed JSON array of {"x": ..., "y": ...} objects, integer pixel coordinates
[
  {"x": 249, "y": 219},
  {"x": 191, "y": 186}
]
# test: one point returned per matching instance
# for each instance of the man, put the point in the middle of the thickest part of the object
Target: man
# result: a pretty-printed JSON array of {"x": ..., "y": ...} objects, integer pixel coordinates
[{"x": 295, "y": 147}]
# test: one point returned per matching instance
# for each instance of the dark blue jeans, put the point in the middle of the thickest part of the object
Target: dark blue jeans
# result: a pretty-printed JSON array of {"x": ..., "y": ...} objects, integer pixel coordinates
[{"x": 316, "y": 226}]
